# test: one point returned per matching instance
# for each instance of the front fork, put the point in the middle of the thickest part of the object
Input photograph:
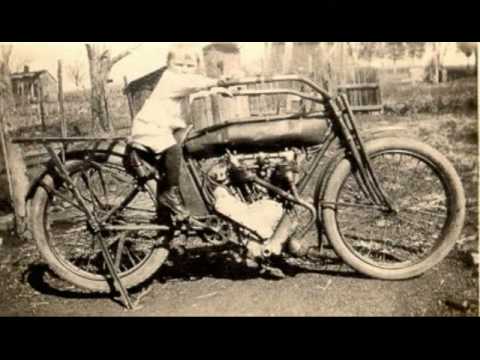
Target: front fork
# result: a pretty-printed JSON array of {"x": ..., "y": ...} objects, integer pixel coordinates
[{"x": 344, "y": 118}]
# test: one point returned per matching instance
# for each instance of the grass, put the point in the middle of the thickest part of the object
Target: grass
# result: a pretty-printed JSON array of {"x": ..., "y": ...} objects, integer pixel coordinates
[
  {"x": 458, "y": 96},
  {"x": 77, "y": 115}
]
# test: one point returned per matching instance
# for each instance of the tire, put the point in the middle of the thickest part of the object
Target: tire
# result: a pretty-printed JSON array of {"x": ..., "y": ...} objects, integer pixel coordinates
[
  {"x": 42, "y": 229},
  {"x": 438, "y": 188}
]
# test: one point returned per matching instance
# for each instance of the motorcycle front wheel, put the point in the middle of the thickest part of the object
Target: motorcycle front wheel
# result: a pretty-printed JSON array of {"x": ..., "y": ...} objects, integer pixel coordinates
[{"x": 395, "y": 245}]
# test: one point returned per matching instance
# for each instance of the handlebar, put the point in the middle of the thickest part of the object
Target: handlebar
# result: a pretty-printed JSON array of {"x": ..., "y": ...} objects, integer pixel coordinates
[
  {"x": 325, "y": 96},
  {"x": 279, "y": 92},
  {"x": 280, "y": 78}
]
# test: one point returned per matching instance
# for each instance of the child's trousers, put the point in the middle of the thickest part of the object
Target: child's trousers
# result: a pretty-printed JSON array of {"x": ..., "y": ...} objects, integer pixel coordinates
[{"x": 173, "y": 161}]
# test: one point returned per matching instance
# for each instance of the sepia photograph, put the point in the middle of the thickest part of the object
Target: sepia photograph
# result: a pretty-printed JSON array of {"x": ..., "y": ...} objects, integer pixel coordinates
[{"x": 239, "y": 179}]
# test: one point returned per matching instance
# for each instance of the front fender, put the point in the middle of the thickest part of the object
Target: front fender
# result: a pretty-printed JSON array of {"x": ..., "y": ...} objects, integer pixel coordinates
[
  {"x": 382, "y": 132},
  {"x": 368, "y": 137}
]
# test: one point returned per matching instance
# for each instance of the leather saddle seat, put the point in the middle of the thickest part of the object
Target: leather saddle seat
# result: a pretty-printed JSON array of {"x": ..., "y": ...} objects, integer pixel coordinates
[{"x": 135, "y": 152}]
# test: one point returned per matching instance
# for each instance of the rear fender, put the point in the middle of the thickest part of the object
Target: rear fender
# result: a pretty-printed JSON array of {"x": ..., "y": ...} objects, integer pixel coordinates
[{"x": 100, "y": 153}]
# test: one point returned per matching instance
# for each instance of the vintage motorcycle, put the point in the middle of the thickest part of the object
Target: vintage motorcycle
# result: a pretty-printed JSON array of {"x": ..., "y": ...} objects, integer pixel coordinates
[{"x": 390, "y": 207}]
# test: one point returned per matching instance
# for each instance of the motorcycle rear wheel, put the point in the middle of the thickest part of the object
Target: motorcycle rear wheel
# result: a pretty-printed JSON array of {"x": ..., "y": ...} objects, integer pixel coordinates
[
  {"x": 69, "y": 247},
  {"x": 396, "y": 246}
]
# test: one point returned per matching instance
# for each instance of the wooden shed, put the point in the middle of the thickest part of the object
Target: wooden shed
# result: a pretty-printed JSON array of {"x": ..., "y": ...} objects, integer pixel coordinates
[
  {"x": 30, "y": 86},
  {"x": 138, "y": 91},
  {"x": 221, "y": 59}
]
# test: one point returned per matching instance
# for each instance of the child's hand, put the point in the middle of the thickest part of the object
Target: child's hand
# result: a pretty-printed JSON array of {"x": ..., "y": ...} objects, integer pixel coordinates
[
  {"x": 224, "y": 81},
  {"x": 221, "y": 91},
  {"x": 228, "y": 79}
]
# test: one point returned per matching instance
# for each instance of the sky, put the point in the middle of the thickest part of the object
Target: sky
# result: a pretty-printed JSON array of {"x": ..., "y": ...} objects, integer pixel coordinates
[{"x": 146, "y": 57}]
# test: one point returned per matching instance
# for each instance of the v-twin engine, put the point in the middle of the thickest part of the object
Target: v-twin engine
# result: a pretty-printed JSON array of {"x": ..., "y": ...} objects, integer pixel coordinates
[{"x": 235, "y": 185}]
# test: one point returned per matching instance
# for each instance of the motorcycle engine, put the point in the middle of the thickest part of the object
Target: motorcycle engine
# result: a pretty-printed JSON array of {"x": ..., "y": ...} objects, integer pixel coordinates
[{"x": 245, "y": 202}]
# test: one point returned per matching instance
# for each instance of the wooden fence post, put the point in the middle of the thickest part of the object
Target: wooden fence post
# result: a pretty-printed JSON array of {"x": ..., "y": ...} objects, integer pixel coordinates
[
  {"x": 63, "y": 123},
  {"x": 16, "y": 171},
  {"x": 42, "y": 108},
  {"x": 287, "y": 57},
  {"x": 61, "y": 108},
  {"x": 129, "y": 99},
  {"x": 3, "y": 140}
]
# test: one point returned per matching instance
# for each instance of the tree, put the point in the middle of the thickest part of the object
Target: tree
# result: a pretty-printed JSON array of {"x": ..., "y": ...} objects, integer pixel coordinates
[
  {"x": 368, "y": 51},
  {"x": 101, "y": 63},
  {"x": 12, "y": 153},
  {"x": 469, "y": 49},
  {"x": 416, "y": 50},
  {"x": 76, "y": 73},
  {"x": 439, "y": 50},
  {"x": 396, "y": 51}
]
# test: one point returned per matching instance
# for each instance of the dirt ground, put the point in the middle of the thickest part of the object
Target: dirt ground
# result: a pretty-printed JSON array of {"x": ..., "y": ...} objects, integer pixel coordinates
[{"x": 195, "y": 287}]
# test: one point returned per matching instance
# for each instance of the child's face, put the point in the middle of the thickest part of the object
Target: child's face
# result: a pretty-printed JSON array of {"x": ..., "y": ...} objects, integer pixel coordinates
[{"x": 183, "y": 65}]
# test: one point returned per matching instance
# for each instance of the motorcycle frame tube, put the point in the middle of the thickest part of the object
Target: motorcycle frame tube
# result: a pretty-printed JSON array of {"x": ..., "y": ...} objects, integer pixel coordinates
[
  {"x": 336, "y": 109},
  {"x": 345, "y": 120},
  {"x": 368, "y": 165}
]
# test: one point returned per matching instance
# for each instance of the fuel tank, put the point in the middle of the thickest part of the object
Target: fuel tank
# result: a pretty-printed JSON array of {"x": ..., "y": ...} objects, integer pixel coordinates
[{"x": 259, "y": 135}]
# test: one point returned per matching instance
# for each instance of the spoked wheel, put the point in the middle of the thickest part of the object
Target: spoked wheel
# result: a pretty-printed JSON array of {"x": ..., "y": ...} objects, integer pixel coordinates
[
  {"x": 69, "y": 246},
  {"x": 428, "y": 219}
]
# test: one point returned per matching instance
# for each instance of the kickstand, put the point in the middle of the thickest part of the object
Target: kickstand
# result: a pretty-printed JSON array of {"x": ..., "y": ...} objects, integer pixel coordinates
[
  {"x": 113, "y": 273},
  {"x": 94, "y": 225}
]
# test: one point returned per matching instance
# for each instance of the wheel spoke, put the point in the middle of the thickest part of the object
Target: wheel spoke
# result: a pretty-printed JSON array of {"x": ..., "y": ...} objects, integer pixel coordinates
[
  {"x": 103, "y": 185},
  {"x": 427, "y": 212},
  {"x": 129, "y": 255},
  {"x": 96, "y": 203},
  {"x": 356, "y": 224},
  {"x": 363, "y": 241},
  {"x": 415, "y": 221},
  {"x": 118, "y": 257}
]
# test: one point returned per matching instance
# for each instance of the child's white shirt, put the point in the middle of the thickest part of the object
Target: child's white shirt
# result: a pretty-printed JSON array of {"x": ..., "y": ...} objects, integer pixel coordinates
[{"x": 162, "y": 114}]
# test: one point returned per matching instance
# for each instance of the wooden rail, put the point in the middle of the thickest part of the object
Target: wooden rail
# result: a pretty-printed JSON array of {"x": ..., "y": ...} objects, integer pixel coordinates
[{"x": 364, "y": 97}]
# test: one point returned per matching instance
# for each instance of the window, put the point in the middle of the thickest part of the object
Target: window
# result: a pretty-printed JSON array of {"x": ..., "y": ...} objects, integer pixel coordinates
[{"x": 36, "y": 94}]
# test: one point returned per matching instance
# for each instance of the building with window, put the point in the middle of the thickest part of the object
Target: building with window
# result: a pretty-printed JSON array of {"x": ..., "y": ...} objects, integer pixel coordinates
[{"x": 31, "y": 86}]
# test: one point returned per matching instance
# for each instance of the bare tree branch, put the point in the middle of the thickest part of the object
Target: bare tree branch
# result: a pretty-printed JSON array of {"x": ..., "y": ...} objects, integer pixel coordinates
[
  {"x": 124, "y": 54},
  {"x": 120, "y": 56},
  {"x": 105, "y": 55},
  {"x": 76, "y": 73},
  {"x": 6, "y": 54},
  {"x": 90, "y": 52}
]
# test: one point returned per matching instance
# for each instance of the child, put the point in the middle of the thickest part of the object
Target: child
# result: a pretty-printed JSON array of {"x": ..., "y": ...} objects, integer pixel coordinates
[{"x": 161, "y": 120}]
